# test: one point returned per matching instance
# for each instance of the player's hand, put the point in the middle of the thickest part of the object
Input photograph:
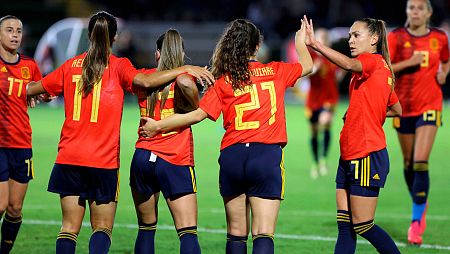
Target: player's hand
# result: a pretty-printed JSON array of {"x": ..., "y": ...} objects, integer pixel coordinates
[
  {"x": 416, "y": 59},
  {"x": 148, "y": 127},
  {"x": 32, "y": 101},
  {"x": 441, "y": 77},
  {"x": 202, "y": 74},
  {"x": 310, "y": 40},
  {"x": 46, "y": 97}
]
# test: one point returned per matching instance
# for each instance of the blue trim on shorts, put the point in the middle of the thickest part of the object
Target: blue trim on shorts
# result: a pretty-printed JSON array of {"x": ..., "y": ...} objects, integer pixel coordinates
[
  {"x": 98, "y": 184},
  {"x": 254, "y": 169},
  {"x": 364, "y": 176},
  {"x": 151, "y": 174},
  {"x": 408, "y": 125},
  {"x": 16, "y": 164}
]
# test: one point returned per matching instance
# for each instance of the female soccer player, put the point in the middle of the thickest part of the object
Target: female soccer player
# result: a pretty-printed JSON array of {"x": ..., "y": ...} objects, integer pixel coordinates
[
  {"x": 364, "y": 163},
  {"x": 16, "y": 164},
  {"x": 320, "y": 103},
  {"x": 87, "y": 164},
  {"x": 250, "y": 95},
  {"x": 420, "y": 57},
  {"x": 165, "y": 162}
]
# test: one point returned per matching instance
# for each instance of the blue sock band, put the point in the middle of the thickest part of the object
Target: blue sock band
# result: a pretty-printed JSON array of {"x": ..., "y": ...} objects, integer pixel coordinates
[{"x": 236, "y": 244}]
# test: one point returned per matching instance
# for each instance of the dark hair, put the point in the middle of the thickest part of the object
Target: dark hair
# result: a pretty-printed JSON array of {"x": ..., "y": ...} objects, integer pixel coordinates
[
  {"x": 171, "y": 48},
  {"x": 7, "y": 17},
  {"x": 237, "y": 44},
  {"x": 101, "y": 31},
  {"x": 378, "y": 27}
]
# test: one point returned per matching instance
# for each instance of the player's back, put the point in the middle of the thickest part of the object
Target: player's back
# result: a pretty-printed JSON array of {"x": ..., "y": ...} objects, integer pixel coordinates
[
  {"x": 91, "y": 130},
  {"x": 256, "y": 112}
]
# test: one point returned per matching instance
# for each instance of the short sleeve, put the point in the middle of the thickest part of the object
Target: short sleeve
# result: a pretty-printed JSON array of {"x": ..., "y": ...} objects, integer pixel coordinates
[
  {"x": 290, "y": 72},
  {"x": 392, "y": 44},
  {"x": 210, "y": 103},
  {"x": 127, "y": 72},
  {"x": 368, "y": 63},
  {"x": 393, "y": 99},
  {"x": 53, "y": 83},
  {"x": 444, "y": 52}
]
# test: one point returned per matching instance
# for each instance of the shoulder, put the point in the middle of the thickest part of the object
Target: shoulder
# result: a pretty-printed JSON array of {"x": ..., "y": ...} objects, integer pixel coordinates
[
  {"x": 27, "y": 59},
  {"x": 398, "y": 30},
  {"x": 438, "y": 32}
]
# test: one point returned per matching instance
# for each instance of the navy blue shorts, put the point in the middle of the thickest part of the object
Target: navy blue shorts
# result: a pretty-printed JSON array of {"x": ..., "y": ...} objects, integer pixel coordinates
[
  {"x": 364, "y": 176},
  {"x": 16, "y": 164},
  {"x": 408, "y": 125},
  {"x": 150, "y": 174},
  {"x": 97, "y": 184},
  {"x": 253, "y": 169}
]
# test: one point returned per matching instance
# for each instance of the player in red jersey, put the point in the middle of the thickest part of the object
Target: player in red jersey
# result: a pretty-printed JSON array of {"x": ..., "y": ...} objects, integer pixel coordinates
[
  {"x": 250, "y": 95},
  {"x": 420, "y": 55},
  {"x": 87, "y": 164},
  {"x": 322, "y": 98},
  {"x": 16, "y": 164},
  {"x": 364, "y": 162},
  {"x": 165, "y": 163}
]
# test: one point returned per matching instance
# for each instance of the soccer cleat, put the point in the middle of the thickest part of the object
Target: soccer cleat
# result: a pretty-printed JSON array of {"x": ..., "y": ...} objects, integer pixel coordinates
[
  {"x": 423, "y": 220},
  {"x": 314, "y": 173},
  {"x": 323, "y": 169},
  {"x": 415, "y": 234}
]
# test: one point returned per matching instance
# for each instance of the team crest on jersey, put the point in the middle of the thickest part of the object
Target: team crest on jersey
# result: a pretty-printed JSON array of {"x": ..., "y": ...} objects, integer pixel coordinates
[
  {"x": 407, "y": 44},
  {"x": 25, "y": 72},
  {"x": 3, "y": 69},
  {"x": 434, "y": 44}
]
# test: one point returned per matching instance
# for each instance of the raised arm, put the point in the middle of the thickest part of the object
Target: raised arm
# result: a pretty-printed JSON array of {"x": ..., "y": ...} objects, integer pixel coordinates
[
  {"x": 304, "y": 57},
  {"x": 173, "y": 122},
  {"x": 186, "y": 94},
  {"x": 159, "y": 78},
  {"x": 341, "y": 60}
]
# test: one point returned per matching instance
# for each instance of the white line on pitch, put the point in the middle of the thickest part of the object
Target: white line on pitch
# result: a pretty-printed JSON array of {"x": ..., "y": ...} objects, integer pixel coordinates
[{"x": 222, "y": 231}]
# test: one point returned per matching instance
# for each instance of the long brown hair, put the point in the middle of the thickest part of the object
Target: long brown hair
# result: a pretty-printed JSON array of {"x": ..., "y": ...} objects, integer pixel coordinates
[
  {"x": 101, "y": 31},
  {"x": 233, "y": 51},
  {"x": 171, "y": 48},
  {"x": 378, "y": 27}
]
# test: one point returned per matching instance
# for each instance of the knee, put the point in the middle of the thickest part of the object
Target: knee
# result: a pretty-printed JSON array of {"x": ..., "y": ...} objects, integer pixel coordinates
[
  {"x": 237, "y": 229},
  {"x": 3, "y": 206},
  {"x": 15, "y": 209}
]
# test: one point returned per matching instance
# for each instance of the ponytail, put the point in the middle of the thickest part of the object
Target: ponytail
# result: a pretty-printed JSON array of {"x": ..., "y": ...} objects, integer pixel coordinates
[
  {"x": 102, "y": 29},
  {"x": 378, "y": 27},
  {"x": 171, "y": 48}
]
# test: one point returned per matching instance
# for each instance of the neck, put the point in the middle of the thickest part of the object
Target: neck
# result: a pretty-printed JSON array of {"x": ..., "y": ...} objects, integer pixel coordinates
[
  {"x": 252, "y": 58},
  {"x": 418, "y": 30},
  {"x": 9, "y": 56}
]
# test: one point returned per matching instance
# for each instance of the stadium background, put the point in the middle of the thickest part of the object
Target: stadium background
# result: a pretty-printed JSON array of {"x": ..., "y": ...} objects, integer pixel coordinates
[{"x": 307, "y": 217}]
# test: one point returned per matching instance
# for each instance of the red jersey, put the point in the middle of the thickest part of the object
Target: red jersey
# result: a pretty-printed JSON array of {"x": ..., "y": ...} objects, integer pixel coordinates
[
  {"x": 323, "y": 90},
  {"x": 417, "y": 87},
  {"x": 255, "y": 113},
  {"x": 176, "y": 147},
  {"x": 370, "y": 95},
  {"x": 91, "y": 131},
  {"x": 15, "y": 129}
]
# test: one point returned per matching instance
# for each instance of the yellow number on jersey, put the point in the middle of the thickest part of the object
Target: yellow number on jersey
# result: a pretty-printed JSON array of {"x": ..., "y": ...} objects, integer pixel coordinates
[
  {"x": 78, "y": 95},
  {"x": 425, "y": 57},
  {"x": 254, "y": 104},
  {"x": 11, "y": 85}
]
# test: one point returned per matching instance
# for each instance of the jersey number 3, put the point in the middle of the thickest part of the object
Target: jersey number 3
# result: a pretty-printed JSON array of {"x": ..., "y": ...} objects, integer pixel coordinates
[
  {"x": 78, "y": 95},
  {"x": 254, "y": 104}
]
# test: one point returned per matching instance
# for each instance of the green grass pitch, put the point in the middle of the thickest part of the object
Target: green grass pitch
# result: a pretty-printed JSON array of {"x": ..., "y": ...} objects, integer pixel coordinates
[{"x": 306, "y": 221}]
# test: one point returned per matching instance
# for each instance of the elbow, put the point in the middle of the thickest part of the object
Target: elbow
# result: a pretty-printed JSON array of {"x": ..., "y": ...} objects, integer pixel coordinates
[{"x": 185, "y": 82}]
